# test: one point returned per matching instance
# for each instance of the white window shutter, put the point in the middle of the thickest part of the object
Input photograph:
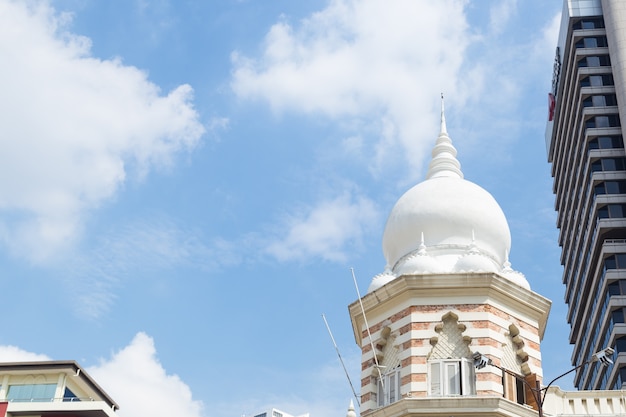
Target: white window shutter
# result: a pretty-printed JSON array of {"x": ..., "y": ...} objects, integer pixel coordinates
[
  {"x": 435, "y": 378},
  {"x": 468, "y": 377},
  {"x": 453, "y": 380}
]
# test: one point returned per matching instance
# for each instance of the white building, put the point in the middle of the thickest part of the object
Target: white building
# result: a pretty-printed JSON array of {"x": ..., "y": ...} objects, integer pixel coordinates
[
  {"x": 51, "y": 388},
  {"x": 448, "y": 301},
  {"x": 274, "y": 412}
]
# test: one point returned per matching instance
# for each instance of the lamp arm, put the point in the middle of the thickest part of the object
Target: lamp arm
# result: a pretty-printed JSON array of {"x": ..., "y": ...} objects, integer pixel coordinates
[
  {"x": 540, "y": 393},
  {"x": 560, "y": 376}
]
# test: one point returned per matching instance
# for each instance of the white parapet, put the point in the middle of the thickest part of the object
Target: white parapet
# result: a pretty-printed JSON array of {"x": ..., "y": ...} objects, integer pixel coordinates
[{"x": 584, "y": 403}]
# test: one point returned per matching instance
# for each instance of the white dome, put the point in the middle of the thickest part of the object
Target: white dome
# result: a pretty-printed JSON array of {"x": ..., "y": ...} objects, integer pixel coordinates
[
  {"x": 514, "y": 276},
  {"x": 475, "y": 262},
  {"x": 446, "y": 224},
  {"x": 380, "y": 280},
  {"x": 448, "y": 216},
  {"x": 419, "y": 264},
  {"x": 448, "y": 211}
]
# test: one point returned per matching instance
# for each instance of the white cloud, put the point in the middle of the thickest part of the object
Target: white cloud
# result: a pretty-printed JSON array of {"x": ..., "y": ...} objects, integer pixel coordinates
[
  {"x": 383, "y": 84},
  {"x": 545, "y": 45},
  {"x": 131, "y": 251},
  {"x": 137, "y": 381},
  {"x": 134, "y": 378},
  {"x": 10, "y": 353},
  {"x": 326, "y": 230},
  {"x": 74, "y": 128},
  {"x": 500, "y": 14},
  {"x": 346, "y": 61}
]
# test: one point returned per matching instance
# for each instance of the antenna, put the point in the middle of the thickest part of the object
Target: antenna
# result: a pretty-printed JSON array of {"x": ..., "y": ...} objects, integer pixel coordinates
[
  {"x": 341, "y": 360},
  {"x": 369, "y": 335}
]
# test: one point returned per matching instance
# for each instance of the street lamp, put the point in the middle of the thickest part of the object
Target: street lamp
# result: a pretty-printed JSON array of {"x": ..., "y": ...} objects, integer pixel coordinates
[{"x": 603, "y": 356}]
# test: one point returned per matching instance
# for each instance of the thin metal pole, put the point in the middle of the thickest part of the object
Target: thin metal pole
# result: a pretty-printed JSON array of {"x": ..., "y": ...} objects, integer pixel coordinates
[
  {"x": 369, "y": 335},
  {"x": 341, "y": 360}
]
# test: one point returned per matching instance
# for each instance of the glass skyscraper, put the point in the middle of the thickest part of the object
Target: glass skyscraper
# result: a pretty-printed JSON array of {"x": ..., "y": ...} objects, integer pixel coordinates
[{"x": 586, "y": 149}]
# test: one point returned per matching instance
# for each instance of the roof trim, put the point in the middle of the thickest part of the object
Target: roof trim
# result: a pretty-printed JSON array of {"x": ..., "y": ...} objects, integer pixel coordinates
[{"x": 73, "y": 366}]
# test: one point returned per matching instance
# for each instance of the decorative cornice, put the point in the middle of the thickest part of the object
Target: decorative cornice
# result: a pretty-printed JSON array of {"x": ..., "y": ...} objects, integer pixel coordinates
[
  {"x": 429, "y": 289},
  {"x": 490, "y": 406}
]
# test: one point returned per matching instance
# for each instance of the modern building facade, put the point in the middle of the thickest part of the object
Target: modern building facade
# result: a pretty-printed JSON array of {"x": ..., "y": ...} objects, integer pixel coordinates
[
  {"x": 586, "y": 149},
  {"x": 53, "y": 389}
]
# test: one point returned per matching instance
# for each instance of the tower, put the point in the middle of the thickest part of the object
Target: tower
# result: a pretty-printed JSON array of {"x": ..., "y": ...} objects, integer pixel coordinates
[
  {"x": 447, "y": 292},
  {"x": 586, "y": 149}
]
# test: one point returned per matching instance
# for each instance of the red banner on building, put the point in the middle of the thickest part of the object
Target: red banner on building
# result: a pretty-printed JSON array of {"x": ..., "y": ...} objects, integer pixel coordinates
[{"x": 3, "y": 409}]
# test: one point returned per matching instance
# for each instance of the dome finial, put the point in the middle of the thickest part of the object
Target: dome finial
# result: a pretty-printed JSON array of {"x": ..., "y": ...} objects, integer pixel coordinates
[
  {"x": 422, "y": 247},
  {"x": 443, "y": 117},
  {"x": 472, "y": 246},
  {"x": 444, "y": 162}
]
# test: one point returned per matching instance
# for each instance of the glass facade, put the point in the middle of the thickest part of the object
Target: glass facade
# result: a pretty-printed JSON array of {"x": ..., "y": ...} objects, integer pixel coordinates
[
  {"x": 31, "y": 392},
  {"x": 586, "y": 149}
]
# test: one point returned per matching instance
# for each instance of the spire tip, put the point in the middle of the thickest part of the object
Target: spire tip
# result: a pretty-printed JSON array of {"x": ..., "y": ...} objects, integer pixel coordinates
[{"x": 443, "y": 117}]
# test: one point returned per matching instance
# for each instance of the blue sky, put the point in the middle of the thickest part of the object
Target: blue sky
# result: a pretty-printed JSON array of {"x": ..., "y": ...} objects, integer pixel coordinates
[{"x": 185, "y": 185}]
